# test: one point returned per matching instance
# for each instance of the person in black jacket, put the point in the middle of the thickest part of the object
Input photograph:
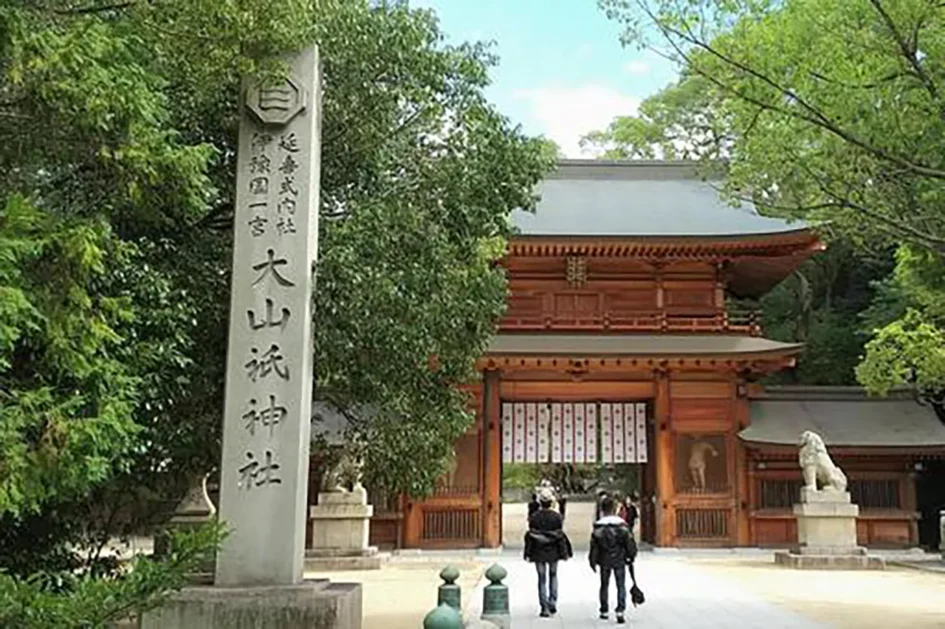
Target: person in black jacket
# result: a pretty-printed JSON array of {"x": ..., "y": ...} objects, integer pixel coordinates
[
  {"x": 612, "y": 549},
  {"x": 597, "y": 508},
  {"x": 546, "y": 544},
  {"x": 533, "y": 505}
]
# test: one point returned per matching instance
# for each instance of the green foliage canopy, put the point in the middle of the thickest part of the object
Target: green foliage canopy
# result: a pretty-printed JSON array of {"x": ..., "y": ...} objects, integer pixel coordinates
[
  {"x": 118, "y": 127},
  {"x": 831, "y": 112}
]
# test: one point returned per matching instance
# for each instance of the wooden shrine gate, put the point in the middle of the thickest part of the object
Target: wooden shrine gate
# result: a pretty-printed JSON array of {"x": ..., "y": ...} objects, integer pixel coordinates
[{"x": 574, "y": 432}]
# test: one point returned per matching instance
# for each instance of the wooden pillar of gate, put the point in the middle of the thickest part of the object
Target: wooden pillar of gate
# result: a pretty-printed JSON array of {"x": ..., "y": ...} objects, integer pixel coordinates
[
  {"x": 491, "y": 461},
  {"x": 665, "y": 520}
]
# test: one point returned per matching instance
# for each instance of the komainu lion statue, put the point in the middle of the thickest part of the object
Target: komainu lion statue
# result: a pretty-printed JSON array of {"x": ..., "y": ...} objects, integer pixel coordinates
[
  {"x": 817, "y": 466},
  {"x": 343, "y": 476}
]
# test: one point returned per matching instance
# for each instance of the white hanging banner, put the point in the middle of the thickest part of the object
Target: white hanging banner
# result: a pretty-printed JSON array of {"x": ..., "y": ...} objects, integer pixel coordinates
[
  {"x": 579, "y": 427},
  {"x": 630, "y": 433},
  {"x": 590, "y": 432},
  {"x": 606, "y": 434},
  {"x": 556, "y": 433},
  {"x": 531, "y": 433},
  {"x": 616, "y": 413},
  {"x": 567, "y": 445},
  {"x": 508, "y": 438},
  {"x": 641, "y": 432},
  {"x": 544, "y": 426},
  {"x": 519, "y": 453}
]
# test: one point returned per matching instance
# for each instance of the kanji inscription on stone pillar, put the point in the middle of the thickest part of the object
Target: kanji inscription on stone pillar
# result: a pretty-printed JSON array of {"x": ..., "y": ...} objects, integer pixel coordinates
[{"x": 264, "y": 470}]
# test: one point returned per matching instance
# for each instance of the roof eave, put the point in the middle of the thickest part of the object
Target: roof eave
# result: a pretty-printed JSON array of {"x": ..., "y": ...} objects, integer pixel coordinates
[{"x": 669, "y": 239}]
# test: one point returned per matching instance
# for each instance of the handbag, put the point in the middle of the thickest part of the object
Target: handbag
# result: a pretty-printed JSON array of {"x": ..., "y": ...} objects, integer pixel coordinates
[{"x": 636, "y": 594}]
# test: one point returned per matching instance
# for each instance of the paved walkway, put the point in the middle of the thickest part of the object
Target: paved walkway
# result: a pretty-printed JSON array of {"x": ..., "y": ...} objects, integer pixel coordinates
[{"x": 679, "y": 596}]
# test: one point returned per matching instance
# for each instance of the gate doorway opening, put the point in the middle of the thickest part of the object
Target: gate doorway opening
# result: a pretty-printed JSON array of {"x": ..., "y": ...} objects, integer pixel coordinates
[
  {"x": 582, "y": 448},
  {"x": 930, "y": 502}
]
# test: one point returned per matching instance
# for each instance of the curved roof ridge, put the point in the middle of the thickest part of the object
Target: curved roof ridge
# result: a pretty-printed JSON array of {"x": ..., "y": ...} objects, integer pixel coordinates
[{"x": 641, "y": 198}]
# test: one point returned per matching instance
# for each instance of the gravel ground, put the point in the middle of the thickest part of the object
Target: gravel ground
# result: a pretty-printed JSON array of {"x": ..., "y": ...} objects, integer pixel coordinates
[
  {"x": 891, "y": 599},
  {"x": 399, "y": 595}
]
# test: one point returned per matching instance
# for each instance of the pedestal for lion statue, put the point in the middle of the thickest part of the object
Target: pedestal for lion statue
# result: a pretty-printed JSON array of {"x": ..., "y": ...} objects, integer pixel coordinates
[
  {"x": 341, "y": 523},
  {"x": 826, "y": 517}
]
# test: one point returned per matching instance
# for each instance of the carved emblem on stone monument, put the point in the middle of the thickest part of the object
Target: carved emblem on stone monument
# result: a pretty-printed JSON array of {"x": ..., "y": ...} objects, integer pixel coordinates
[
  {"x": 818, "y": 468},
  {"x": 276, "y": 104}
]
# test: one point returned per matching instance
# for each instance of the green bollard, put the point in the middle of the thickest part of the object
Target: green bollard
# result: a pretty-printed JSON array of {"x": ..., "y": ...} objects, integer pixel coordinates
[
  {"x": 495, "y": 598},
  {"x": 449, "y": 593},
  {"x": 443, "y": 617}
]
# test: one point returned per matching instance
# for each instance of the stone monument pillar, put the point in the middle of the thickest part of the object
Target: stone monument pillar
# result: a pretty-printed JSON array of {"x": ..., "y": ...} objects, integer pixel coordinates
[
  {"x": 341, "y": 524},
  {"x": 826, "y": 517},
  {"x": 266, "y": 422}
]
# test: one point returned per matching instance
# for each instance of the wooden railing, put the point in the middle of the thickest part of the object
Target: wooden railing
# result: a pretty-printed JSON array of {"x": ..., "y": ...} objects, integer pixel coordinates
[
  {"x": 451, "y": 525},
  {"x": 735, "y": 322},
  {"x": 867, "y": 493},
  {"x": 702, "y": 524}
]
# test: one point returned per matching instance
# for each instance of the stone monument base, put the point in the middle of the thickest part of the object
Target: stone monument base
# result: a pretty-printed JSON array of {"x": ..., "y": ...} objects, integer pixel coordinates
[
  {"x": 829, "y": 559},
  {"x": 309, "y": 605},
  {"x": 826, "y": 534},
  {"x": 335, "y": 559},
  {"x": 340, "y": 531}
]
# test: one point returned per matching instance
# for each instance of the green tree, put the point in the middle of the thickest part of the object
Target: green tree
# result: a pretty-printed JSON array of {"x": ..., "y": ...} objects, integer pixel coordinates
[
  {"x": 827, "y": 111},
  {"x": 117, "y": 178}
]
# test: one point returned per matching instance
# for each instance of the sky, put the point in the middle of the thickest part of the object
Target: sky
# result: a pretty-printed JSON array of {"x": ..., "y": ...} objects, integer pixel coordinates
[{"x": 562, "y": 70}]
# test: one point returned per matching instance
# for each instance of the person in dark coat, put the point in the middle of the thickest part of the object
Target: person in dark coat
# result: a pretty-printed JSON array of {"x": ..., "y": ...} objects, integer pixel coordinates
[
  {"x": 612, "y": 549},
  {"x": 597, "y": 510},
  {"x": 562, "y": 502},
  {"x": 545, "y": 545},
  {"x": 533, "y": 505},
  {"x": 628, "y": 510}
]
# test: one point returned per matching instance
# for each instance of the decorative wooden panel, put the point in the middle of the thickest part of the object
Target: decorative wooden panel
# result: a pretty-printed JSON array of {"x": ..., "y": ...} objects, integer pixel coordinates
[
  {"x": 876, "y": 532},
  {"x": 698, "y": 296},
  {"x": 702, "y": 464},
  {"x": 681, "y": 389},
  {"x": 576, "y": 307},
  {"x": 701, "y": 409},
  {"x": 702, "y": 524},
  {"x": 629, "y": 301},
  {"x": 464, "y": 475},
  {"x": 451, "y": 525},
  {"x": 385, "y": 530},
  {"x": 778, "y": 532},
  {"x": 525, "y": 305}
]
